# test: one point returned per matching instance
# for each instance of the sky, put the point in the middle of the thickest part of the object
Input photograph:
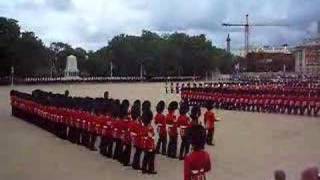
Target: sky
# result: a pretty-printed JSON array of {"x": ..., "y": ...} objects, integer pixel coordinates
[{"x": 92, "y": 23}]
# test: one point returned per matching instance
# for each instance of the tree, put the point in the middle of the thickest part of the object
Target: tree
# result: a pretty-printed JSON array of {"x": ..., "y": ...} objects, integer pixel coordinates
[
  {"x": 31, "y": 56},
  {"x": 9, "y": 34},
  {"x": 176, "y": 54}
]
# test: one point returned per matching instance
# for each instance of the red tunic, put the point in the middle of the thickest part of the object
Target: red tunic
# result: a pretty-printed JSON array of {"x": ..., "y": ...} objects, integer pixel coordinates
[
  {"x": 125, "y": 133},
  {"x": 107, "y": 127},
  {"x": 116, "y": 129},
  {"x": 209, "y": 120},
  {"x": 91, "y": 124},
  {"x": 147, "y": 133},
  {"x": 196, "y": 165},
  {"x": 99, "y": 124},
  {"x": 160, "y": 121},
  {"x": 183, "y": 123},
  {"x": 135, "y": 132},
  {"x": 172, "y": 124}
]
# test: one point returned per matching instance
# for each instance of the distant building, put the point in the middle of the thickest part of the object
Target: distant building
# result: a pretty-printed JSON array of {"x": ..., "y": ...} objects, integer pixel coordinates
[
  {"x": 307, "y": 57},
  {"x": 268, "y": 62}
]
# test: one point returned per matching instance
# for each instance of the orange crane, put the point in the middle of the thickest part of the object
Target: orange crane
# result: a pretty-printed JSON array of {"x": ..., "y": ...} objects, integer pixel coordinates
[{"x": 246, "y": 30}]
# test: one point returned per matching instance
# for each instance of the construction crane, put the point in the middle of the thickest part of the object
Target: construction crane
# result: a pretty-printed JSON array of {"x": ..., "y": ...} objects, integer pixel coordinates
[{"x": 246, "y": 30}]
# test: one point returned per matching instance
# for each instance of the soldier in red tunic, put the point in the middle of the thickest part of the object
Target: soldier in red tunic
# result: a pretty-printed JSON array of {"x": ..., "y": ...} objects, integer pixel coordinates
[
  {"x": 209, "y": 121},
  {"x": 125, "y": 133},
  {"x": 184, "y": 124},
  {"x": 160, "y": 121},
  {"x": 198, "y": 162},
  {"x": 106, "y": 134},
  {"x": 117, "y": 128},
  {"x": 148, "y": 143},
  {"x": 136, "y": 135},
  {"x": 171, "y": 120}
]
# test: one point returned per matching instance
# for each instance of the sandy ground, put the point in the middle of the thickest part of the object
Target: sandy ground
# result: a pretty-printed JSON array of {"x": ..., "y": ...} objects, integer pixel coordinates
[{"x": 249, "y": 146}]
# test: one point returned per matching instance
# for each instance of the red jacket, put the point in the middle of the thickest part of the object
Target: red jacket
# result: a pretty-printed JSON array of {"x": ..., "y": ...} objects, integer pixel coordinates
[
  {"x": 147, "y": 133},
  {"x": 183, "y": 123},
  {"x": 135, "y": 132},
  {"x": 196, "y": 164},
  {"x": 172, "y": 124},
  {"x": 99, "y": 124},
  {"x": 107, "y": 127},
  {"x": 127, "y": 123},
  {"x": 209, "y": 120},
  {"x": 116, "y": 128},
  {"x": 160, "y": 121}
]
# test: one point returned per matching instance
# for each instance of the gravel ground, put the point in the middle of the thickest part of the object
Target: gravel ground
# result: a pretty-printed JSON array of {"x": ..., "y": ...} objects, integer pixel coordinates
[{"x": 249, "y": 146}]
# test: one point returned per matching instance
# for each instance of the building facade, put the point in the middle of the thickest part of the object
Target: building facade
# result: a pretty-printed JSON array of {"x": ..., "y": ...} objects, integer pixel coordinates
[
  {"x": 307, "y": 57},
  {"x": 269, "y": 62}
]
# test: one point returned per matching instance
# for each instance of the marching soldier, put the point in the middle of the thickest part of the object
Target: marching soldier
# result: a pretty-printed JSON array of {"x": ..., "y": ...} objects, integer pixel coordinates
[
  {"x": 197, "y": 163},
  {"x": 172, "y": 127},
  {"x": 184, "y": 123},
  {"x": 160, "y": 121},
  {"x": 148, "y": 143}
]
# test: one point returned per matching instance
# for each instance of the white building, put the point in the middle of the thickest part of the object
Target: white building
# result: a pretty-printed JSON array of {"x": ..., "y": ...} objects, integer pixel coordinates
[{"x": 307, "y": 57}]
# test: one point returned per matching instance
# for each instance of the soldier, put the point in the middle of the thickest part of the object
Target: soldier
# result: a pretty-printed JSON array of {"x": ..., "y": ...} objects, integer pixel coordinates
[
  {"x": 209, "y": 121},
  {"x": 136, "y": 136},
  {"x": 148, "y": 143},
  {"x": 125, "y": 133},
  {"x": 166, "y": 87},
  {"x": 160, "y": 121},
  {"x": 177, "y": 88},
  {"x": 110, "y": 127},
  {"x": 172, "y": 127},
  {"x": 197, "y": 163},
  {"x": 171, "y": 88},
  {"x": 117, "y": 128},
  {"x": 184, "y": 123}
]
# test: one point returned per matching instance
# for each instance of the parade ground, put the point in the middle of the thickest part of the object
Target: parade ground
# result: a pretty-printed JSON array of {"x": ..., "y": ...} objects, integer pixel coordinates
[{"x": 249, "y": 146}]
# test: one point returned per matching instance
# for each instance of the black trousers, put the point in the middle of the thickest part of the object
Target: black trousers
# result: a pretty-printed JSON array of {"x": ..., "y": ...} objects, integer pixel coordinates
[
  {"x": 136, "y": 158},
  {"x": 85, "y": 139},
  {"x": 172, "y": 147},
  {"x": 148, "y": 161},
  {"x": 92, "y": 141},
  {"x": 71, "y": 134},
  {"x": 210, "y": 136},
  {"x": 290, "y": 109},
  {"x": 316, "y": 111},
  {"x": 302, "y": 110},
  {"x": 184, "y": 147},
  {"x": 126, "y": 154},
  {"x": 103, "y": 146},
  {"x": 77, "y": 135},
  {"x": 109, "y": 147},
  {"x": 118, "y": 150},
  {"x": 309, "y": 110},
  {"x": 162, "y": 143}
]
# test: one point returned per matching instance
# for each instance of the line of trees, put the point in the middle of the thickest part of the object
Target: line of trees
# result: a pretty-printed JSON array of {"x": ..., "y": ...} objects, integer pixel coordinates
[{"x": 176, "y": 54}]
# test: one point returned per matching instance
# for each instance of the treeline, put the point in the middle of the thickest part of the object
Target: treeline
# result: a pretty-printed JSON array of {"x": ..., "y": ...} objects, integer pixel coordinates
[{"x": 176, "y": 54}]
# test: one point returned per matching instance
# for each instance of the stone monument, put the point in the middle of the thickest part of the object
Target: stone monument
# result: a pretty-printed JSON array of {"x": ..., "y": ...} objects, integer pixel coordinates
[{"x": 71, "y": 67}]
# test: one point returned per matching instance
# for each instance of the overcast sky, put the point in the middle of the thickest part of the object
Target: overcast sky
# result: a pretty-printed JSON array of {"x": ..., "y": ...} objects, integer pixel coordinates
[{"x": 92, "y": 23}]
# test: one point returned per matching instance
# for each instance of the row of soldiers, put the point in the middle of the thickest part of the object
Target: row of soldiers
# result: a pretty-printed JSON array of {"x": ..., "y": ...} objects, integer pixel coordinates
[
  {"x": 295, "y": 89},
  {"x": 82, "y": 120},
  {"x": 263, "y": 89},
  {"x": 249, "y": 102}
]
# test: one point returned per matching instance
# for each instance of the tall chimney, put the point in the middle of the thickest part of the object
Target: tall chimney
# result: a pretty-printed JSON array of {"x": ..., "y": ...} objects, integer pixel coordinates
[{"x": 318, "y": 28}]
